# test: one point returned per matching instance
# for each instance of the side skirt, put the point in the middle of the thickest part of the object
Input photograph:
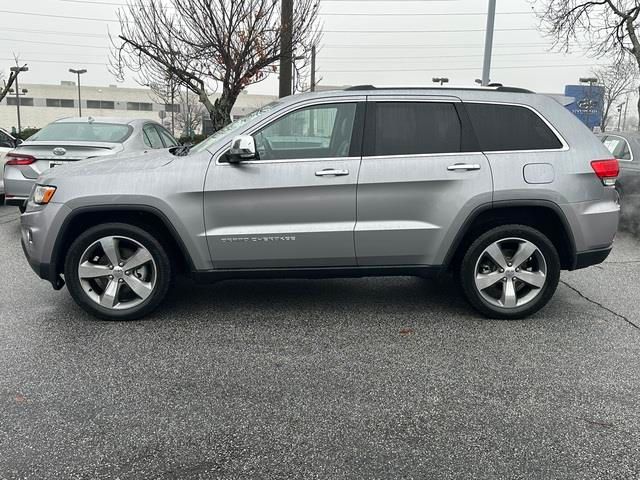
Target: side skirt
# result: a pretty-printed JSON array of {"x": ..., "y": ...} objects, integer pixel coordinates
[{"x": 323, "y": 272}]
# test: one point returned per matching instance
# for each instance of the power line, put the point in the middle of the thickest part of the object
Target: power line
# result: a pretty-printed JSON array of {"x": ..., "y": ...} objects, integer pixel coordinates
[
  {"x": 49, "y": 15},
  {"x": 54, "y": 32},
  {"x": 518, "y": 29},
  {"x": 34, "y": 60},
  {"x": 19, "y": 40},
  {"x": 440, "y": 68},
  {"x": 431, "y": 45},
  {"x": 416, "y": 57},
  {"x": 421, "y": 14}
]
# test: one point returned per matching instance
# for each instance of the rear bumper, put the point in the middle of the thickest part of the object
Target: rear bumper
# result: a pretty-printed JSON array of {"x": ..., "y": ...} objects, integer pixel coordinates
[{"x": 591, "y": 257}]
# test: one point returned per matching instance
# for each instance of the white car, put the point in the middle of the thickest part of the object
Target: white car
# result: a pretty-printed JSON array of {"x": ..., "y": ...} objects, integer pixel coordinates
[{"x": 7, "y": 143}]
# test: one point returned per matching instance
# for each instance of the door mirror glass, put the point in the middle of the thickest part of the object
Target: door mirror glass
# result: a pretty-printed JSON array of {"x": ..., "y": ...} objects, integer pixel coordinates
[{"x": 243, "y": 147}]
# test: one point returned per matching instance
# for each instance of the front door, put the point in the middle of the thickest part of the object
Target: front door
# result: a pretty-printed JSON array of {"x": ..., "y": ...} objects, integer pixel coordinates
[
  {"x": 295, "y": 205},
  {"x": 421, "y": 177}
]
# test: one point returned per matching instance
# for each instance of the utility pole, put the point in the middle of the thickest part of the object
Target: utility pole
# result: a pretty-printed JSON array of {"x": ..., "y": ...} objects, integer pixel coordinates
[
  {"x": 620, "y": 115},
  {"x": 17, "y": 71},
  {"x": 488, "y": 43},
  {"x": 313, "y": 68},
  {"x": 78, "y": 72},
  {"x": 286, "y": 48},
  {"x": 624, "y": 119}
]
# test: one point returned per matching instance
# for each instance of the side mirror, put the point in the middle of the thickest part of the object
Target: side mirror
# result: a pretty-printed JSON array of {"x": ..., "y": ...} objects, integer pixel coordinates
[
  {"x": 19, "y": 141},
  {"x": 243, "y": 147}
]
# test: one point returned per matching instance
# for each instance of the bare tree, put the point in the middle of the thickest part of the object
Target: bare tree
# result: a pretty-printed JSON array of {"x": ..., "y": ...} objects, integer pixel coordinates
[
  {"x": 618, "y": 80},
  {"x": 209, "y": 46},
  {"x": 604, "y": 27},
  {"x": 6, "y": 85}
]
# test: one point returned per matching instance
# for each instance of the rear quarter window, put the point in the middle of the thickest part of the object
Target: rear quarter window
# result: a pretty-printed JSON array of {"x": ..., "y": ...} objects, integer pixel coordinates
[{"x": 510, "y": 128}]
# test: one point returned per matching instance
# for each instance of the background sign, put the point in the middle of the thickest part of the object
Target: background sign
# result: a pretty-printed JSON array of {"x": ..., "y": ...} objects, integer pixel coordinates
[{"x": 588, "y": 105}]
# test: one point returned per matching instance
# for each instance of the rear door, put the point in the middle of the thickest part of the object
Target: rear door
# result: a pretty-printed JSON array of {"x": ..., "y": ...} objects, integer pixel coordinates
[
  {"x": 294, "y": 206},
  {"x": 421, "y": 177}
]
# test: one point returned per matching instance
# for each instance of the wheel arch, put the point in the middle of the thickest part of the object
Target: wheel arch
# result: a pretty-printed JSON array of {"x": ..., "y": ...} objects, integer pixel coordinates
[
  {"x": 542, "y": 215},
  {"x": 145, "y": 216}
]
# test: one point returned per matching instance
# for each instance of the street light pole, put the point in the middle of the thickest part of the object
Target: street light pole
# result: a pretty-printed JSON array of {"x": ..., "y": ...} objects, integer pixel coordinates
[
  {"x": 17, "y": 71},
  {"x": 488, "y": 42},
  {"x": 79, "y": 72}
]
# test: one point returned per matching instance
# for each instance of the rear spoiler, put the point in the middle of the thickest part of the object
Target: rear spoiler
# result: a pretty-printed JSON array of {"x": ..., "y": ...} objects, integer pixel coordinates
[{"x": 563, "y": 100}]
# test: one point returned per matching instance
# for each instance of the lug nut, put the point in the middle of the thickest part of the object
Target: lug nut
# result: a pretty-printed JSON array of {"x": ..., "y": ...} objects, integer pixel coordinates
[
  {"x": 121, "y": 264},
  {"x": 111, "y": 277},
  {"x": 517, "y": 269},
  {"x": 127, "y": 272},
  {"x": 502, "y": 270},
  {"x": 120, "y": 280},
  {"x": 509, "y": 264},
  {"x": 504, "y": 279},
  {"x": 111, "y": 267}
]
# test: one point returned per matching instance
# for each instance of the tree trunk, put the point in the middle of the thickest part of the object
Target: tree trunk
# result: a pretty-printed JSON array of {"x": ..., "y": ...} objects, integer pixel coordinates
[
  {"x": 4, "y": 90},
  {"x": 220, "y": 112}
]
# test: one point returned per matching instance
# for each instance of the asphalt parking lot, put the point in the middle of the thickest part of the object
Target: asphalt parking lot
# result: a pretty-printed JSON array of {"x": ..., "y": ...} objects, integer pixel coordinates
[{"x": 356, "y": 378}]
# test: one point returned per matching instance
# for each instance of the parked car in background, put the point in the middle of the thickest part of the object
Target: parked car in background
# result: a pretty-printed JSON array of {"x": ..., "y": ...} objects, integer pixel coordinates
[
  {"x": 625, "y": 146},
  {"x": 7, "y": 143},
  {"x": 500, "y": 185},
  {"x": 72, "y": 139}
]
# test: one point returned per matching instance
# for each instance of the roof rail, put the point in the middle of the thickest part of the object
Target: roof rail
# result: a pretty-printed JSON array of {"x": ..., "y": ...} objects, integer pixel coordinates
[{"x": 497, "y": 87}]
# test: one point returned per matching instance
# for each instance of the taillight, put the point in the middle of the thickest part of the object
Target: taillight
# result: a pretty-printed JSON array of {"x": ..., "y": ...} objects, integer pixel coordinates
[
  {"x": 606, "y": 170},
  {"x": 19, "y": 159}
]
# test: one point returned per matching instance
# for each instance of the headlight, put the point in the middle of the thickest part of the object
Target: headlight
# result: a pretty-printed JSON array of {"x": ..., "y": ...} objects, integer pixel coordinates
[{"x": 43, "y": 194}]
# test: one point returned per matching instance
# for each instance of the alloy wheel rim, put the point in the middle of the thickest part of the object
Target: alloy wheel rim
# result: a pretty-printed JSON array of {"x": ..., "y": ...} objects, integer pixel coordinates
[
  {"x": 117, "y": 272},
  {"x": 510, "y": 273}
]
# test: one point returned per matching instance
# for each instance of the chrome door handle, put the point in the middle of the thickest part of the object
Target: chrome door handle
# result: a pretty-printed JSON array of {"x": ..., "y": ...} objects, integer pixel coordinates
[
  {"x": 331, "y": 172},
  {"x": 463, "y": 166}
]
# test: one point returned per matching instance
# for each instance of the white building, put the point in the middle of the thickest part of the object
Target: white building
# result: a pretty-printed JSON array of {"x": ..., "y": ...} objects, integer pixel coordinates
[{"x": 42, "y": 104}]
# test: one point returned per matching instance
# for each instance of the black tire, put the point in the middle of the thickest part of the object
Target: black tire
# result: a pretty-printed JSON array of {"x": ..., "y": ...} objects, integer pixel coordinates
[
  {"x": 472, "y": 255},
  {"x": 151, "y": 243}
]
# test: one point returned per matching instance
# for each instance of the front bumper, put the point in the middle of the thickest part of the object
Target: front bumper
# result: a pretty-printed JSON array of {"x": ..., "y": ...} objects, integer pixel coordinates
[
  {"x": 15, "y": 201},
  {"x": 39, "y": 227}
]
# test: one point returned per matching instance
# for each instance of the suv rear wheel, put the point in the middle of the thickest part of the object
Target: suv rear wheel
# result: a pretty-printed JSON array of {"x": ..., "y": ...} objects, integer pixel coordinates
[
  {"x": 510, "y": 272},
  {"x": 117, "y": 271}
]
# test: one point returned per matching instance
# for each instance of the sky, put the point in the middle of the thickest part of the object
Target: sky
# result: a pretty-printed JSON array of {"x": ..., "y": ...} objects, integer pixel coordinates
[{"x": 379, "y": 42}]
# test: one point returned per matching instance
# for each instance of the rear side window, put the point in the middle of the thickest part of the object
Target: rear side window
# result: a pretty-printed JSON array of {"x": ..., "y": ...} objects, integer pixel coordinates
[
  {"x": 152, "y": 137},
  {"x": 413, "y": 128},
  {"x": 510, "y": 127}
]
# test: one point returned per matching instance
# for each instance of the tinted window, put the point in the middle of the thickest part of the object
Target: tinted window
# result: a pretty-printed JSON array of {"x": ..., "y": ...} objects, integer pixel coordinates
[
  {"x": 410, "y": 128},
  {"x": 24, "y": 101},
  {"x": 100, "y": 104},
  {"x": 152, "y": 137},
  {"x": 321, "y": 131},
  {"x": 58, "y": 102},
  {"x": 618, "y": 147},
  {"x": 83, "y": 132},
  {"x": 5, "y": 140},
  {"x": 509, "y": 127}
]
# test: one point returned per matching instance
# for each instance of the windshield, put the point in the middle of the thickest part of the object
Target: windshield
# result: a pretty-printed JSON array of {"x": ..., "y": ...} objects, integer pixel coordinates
[
  {"x": 205, "y": 144},
  {"x": 83, "y": 132}
]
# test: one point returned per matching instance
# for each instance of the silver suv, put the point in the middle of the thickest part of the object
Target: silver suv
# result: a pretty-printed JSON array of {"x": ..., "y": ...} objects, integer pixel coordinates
[{"x": 499, "y": 185}]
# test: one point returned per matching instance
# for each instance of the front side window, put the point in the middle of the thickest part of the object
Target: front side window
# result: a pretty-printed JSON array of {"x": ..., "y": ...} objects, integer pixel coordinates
[
  {"x": 152, "y": 137},
  {"x": 319, "y": 131},
  {"x": 618, "y": 147},
  {"x": 414, "y": 128},
  {"x": 510, "y": 128}
]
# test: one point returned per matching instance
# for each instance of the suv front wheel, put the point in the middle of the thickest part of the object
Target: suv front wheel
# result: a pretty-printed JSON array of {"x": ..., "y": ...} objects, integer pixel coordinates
[
  {"x": 510, "y": 272},
  {"x": 117, "y": 271}
]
